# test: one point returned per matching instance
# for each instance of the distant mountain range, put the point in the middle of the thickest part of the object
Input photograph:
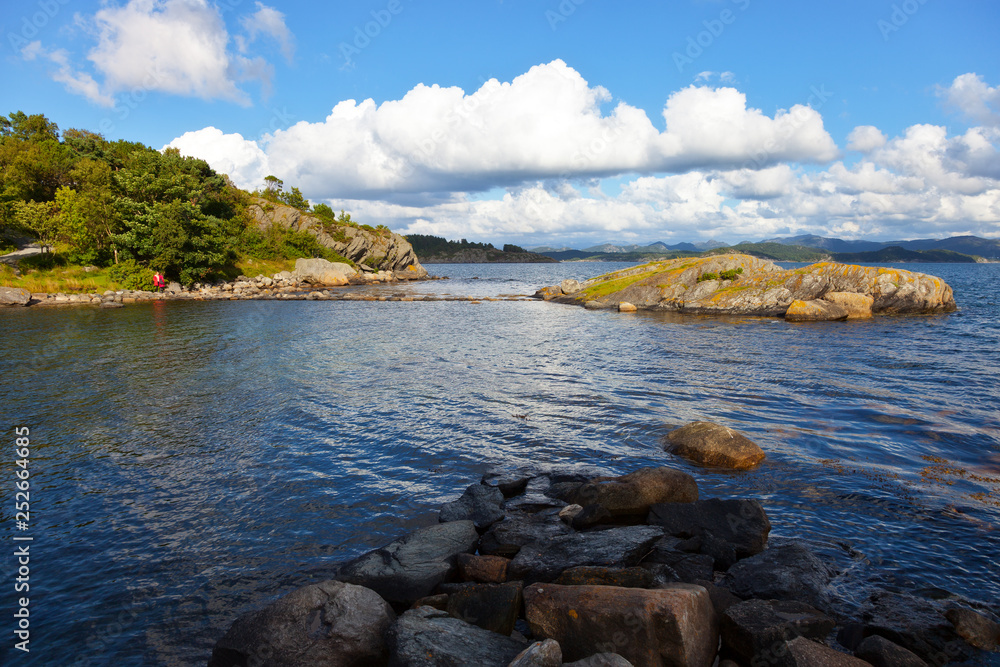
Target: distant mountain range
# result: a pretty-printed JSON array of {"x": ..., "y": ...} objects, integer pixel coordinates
[{"x": 927, "y": 250}]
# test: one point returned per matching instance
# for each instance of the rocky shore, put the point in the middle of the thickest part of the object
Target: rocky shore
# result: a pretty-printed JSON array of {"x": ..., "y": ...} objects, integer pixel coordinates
[
  {"x": 310, "y": 281},
  {"x": 548, "y": 567},
  {"x": 737, "y": 284}
]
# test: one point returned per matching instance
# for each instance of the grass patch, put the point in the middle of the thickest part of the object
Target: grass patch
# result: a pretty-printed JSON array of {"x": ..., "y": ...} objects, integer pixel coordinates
[
  {"x": 58, "y": 279},
  {"x": 253, "y": 267},
  {"x": 612, "y": 286}
]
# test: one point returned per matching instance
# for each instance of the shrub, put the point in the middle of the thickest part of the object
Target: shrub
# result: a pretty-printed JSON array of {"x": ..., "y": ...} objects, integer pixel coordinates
[
  {"x": 731, "y": 273},
  {"x": 131, "y": 275},
  {"x": 708, "y": 276}
]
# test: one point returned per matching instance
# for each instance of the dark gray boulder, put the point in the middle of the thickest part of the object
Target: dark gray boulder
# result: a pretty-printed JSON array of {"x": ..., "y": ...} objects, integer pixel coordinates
[
  {"x": 481, "y": 504},
  {"x": 330, "y": 623},
  {"x": 788, "y": 571},
  {"x": 802, "y": 652},
  {"x": 687, "y": 567},
  {"x": 615, "y": 547},
  {"x": 505, "y": 538},
  {"x": 411, "y": 567},
  {"x": 426, "y": 637},
  {"x": 881, "y": 652},
  {"x": 916, "y": 624},
  {"x": 729, "y": 530},
  {"x": 493, "y": 607},
  {"x": 751, "y": 629}
]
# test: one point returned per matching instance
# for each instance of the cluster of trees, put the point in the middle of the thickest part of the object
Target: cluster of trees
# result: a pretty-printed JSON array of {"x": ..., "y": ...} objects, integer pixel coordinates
[
  {"x": 110, "y": 203},
  {"x": 425, "y": 244}
]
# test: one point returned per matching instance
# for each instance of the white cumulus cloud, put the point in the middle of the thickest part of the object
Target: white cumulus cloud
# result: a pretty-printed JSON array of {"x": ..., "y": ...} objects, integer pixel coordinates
[{"x": 973, "y": 97}]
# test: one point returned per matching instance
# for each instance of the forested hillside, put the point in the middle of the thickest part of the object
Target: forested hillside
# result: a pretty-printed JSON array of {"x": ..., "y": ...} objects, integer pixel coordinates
[{"x": 135, "y": 209}]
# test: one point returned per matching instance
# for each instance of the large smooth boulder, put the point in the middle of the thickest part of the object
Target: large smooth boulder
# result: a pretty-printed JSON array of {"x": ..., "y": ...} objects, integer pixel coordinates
[
  {"x": 427, "y": 637},
  {"x": 667, "y": 626},
  {"x": 815, "y": 310},
  {"x": 751, "y": 629},
  {"x": 714, "y": 445},
  {"x": 493, "y": 607},
  {"x": 615, "y": 547},
  {"x": 506, "y": 538},
  {"x": 409, "y": 568},
  {"x": 14, "y": 296},
  {"x": 728, "y": 529},
  {"x": 330, "y": 623},
  {"x": 317, "y": 271},
  {"x": 634, "y": 493},
  {"x": 858, "y": 306},
  {"x": 481, "y": 504},
  {"x": 785, "y": 572}
]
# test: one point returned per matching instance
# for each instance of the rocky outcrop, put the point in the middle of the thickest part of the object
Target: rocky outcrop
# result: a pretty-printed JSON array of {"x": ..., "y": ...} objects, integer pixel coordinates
[
  {"x": 815, "y": 310},
  {"x": 14, "y": 296},
  {"x": 743, "y": 285},
  {"x": 427, "y": 637},
  {"x": 367, "y": 247},
  {"x": 714, "y": 445}
]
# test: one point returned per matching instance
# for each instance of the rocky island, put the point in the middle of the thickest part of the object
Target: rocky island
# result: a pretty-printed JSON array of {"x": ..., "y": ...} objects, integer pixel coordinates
[{"x": 739, "y": 284}]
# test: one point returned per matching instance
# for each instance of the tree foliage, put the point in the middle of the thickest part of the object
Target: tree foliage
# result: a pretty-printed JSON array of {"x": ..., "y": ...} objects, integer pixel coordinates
[{"x": 111, "y": 202}]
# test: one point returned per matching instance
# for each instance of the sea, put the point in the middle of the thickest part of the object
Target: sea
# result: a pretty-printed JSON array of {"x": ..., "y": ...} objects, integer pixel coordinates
[{"x": 192, "y": 461}]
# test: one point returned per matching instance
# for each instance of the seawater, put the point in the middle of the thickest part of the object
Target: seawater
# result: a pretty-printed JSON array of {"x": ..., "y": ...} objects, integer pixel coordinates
[{"x": 193, "y": 461}]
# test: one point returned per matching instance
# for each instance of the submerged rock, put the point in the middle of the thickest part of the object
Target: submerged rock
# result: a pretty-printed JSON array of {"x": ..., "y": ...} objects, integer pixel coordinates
[{"x": 714, "y": 445}]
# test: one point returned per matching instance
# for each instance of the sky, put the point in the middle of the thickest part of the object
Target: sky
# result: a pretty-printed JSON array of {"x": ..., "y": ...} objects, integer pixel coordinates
[{"x": 560, "y": 123}]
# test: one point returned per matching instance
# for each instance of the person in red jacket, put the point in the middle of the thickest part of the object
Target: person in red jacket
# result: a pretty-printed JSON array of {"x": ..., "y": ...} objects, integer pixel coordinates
[{"x": 159, "y": 281}]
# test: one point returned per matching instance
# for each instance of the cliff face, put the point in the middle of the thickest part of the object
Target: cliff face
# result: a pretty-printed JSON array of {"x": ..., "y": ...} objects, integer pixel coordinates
[
  {"x": 760, "y": 288},
  {"x": 386, "y": 250}
]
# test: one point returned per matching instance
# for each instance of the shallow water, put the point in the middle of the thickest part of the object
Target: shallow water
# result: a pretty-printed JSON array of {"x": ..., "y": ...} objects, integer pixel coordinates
[{"x": 191, "y": 461}]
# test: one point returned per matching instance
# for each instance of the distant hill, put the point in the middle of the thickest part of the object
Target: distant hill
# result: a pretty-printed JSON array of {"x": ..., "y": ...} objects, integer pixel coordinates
[
  {"x": 779, "y": 252},
  {"x": 898, "y": 254},
  {"x": 438, "y": 250},
  {"x": 968, "y": 245}
]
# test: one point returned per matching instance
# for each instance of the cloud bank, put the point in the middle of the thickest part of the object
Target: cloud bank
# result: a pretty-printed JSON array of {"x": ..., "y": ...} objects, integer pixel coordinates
[
  {"x": 559, "y": 159},
  {"x": 180, "y": 47}
]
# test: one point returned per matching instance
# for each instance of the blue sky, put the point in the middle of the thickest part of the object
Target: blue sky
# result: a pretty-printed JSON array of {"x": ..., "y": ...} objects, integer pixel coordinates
[{"x": 566, "y": 122}]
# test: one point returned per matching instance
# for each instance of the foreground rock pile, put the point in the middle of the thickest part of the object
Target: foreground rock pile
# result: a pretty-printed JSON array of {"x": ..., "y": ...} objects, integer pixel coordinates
[
  {"x": 548, "y": 567},
  {"x": 737, "y": 284}
]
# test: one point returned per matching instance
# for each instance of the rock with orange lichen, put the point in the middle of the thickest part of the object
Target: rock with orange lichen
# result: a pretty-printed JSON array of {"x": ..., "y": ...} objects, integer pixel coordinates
[{"x": 737, "y": 284}]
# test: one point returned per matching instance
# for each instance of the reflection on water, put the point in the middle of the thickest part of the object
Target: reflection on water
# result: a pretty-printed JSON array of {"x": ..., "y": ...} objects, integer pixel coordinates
[{"x": 194, "y": 460}]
